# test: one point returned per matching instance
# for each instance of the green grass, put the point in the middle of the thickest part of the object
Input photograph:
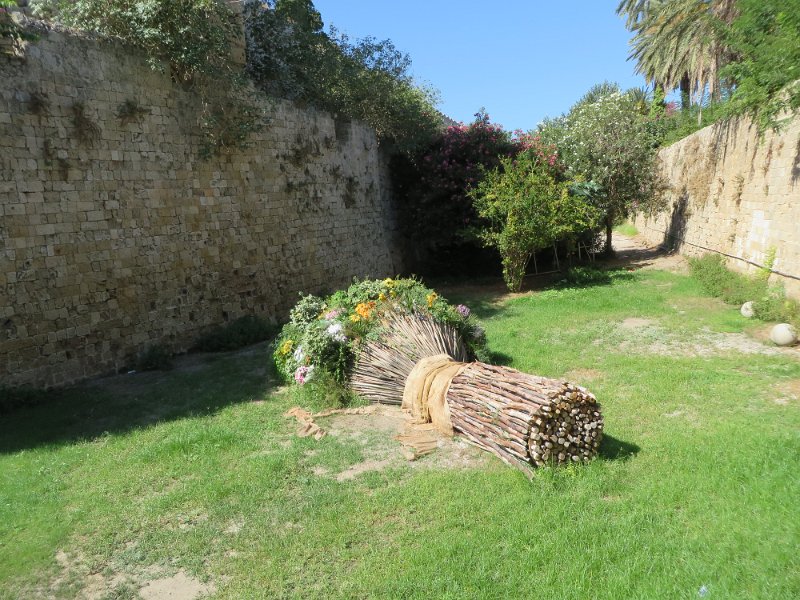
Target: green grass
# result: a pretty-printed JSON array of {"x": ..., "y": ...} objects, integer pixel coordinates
[
  {"x": 626, "y": 228},
  {"x": 696, "y": 484}
]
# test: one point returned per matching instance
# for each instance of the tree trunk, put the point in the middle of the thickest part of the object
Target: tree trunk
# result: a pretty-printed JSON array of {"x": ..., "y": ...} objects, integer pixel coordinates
[
  {"x": 609, "y": 251},
  {"x": 686, "y": 96}
]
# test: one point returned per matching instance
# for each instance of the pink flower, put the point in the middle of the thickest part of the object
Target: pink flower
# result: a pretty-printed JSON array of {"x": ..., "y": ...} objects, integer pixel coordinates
[{"x": 303, "y": 374}]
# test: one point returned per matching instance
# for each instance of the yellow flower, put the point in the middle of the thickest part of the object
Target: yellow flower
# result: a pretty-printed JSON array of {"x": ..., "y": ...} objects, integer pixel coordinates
[
  {"x": 286, "y": 347},
  {"x": 382, "y": 297},
  {"x": 393, "y": 294},
  {"x": 355, "y": 318},
  {"x": 431, "y": 298},
  {"x": 388, "y": 282}
]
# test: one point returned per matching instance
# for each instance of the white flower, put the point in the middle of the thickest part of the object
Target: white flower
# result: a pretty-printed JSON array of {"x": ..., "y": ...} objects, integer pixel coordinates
[
  {"x": 336, "y": 331},
  {"x": 299, "y": 355}
]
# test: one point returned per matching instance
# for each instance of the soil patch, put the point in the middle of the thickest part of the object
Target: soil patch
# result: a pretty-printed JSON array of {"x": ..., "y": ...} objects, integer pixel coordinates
[
  {"x": 77, "y": 579},
  {"x": 787, "y": 392},
  {"x": 638, "y": 253},
  {"x": 635, "y": 323},
  {"x": 376, "y": 431},
  {"x": 364, "y": 467},
  {"x": 177, "y": 587}
]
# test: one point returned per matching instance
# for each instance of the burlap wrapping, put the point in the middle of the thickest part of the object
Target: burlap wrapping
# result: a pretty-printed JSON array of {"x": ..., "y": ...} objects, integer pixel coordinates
[{"x": 425, "y": 391}]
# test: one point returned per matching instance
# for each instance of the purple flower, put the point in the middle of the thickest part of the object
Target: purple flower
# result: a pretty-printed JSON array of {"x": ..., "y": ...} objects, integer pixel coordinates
[{"x": 464, "y": 311}]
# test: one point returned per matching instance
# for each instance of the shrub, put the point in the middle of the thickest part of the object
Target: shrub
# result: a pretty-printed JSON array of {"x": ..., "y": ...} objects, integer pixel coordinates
[
  {"x": 9, "y": 29},
  {"x": 439, "y": 216},
  {"x": 321, "y": 340},
  {"x": 527, "y": 208},
  {"x": 769, "y": 302},
  {"x": 606, "y": 140},
  {"x": 579, "y": 277},
  {"x": 719, "y": 281},
  {"x": 244, "y": 331}
]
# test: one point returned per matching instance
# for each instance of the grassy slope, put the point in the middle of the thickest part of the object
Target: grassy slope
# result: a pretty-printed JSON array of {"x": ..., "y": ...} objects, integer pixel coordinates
[{"x": 697, "y": 484}]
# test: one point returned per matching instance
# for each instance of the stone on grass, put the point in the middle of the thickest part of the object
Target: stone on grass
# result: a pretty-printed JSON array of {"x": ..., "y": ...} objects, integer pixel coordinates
[
  {"x": 748, "y": 310},
  {"x": 783, "y": 334}
]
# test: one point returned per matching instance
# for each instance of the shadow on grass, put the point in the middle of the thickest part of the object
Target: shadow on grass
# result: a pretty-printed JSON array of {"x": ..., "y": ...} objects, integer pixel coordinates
[
  {"x": 199, "y": 385},
  {"x": 498, "y": 358},
  {"x": 613, "y": 449}
]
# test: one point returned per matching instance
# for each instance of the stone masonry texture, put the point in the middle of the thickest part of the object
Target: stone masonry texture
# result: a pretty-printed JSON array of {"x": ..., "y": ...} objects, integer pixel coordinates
[
  {"x": 736, "y": 192},
  {"x": 115, "y": 235}
]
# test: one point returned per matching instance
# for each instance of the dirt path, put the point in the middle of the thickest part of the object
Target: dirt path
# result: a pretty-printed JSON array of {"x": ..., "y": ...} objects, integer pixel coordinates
[{"x": 636, "y": 252}]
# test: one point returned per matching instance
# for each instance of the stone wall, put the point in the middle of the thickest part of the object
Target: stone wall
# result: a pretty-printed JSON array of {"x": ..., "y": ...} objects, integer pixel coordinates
[
  {"x": 115, "y": 236},
  {"x": 734, "y": 193}
]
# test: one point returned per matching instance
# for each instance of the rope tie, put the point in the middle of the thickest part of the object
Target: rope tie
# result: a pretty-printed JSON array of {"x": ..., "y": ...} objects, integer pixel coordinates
[{"x": 425, "y": 391}]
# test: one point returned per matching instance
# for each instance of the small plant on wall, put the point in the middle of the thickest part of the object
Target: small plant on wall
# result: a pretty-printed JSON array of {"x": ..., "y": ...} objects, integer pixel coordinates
[
  {"x": 38, "y": 104},
  {"x": 86, "y": 130},
  {"x": 131, "y": 112}
]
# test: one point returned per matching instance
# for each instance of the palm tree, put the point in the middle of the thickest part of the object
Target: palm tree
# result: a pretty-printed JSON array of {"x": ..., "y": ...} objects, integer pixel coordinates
[{"x": 678, "y": 43}]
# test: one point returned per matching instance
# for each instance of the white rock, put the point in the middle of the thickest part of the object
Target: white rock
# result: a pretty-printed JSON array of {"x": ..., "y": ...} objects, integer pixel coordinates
[
  {"x": 747, "y": 310},
  {"x": 783, "y": 334}
]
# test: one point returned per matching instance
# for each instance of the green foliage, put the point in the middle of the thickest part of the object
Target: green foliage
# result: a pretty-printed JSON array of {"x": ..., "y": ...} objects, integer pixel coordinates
[
  {"x": 769, "y": 302},
  {"x": 322, "y": 336},
  {"x": 290, "y": 56},
  {"x": 244, "y": 331},
  {"x": 627, "y": 228},
  {"x": 190, "y": 38},
  {"x": 605, "y": 140},
  {"x": 680, "y": 43},
  {"x": 323, "y": 391},
  {"x": 527, "y": 209},
  {"x": 682, "y": 123},
  {"x": 433, "y": 188},
  {"x": 580, "y": 277},
  {"x": 765, "y": 39},
  {"x": 9, "y": 29},
  {"x": 155, "y": 358}
]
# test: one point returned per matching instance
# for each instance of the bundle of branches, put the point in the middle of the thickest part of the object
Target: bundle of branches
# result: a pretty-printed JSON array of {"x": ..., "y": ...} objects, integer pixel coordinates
[
  {"x": 524, "y": 419},
  {"x": 383, "y": 366}
]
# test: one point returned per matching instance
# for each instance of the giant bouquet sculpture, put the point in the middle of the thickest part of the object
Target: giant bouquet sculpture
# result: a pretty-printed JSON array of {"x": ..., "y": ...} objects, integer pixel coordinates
[{"x": 397, "y": 342}]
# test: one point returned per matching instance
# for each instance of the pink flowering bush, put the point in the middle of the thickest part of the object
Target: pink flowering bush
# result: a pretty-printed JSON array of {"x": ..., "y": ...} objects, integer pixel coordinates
[{"x": 441, "y": 219}]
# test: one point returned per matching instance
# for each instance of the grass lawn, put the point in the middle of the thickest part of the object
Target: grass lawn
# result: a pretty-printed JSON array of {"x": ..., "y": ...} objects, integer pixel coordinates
[
  {"x": 197, "y": 472},
  {"x": 626, "y": 228}
]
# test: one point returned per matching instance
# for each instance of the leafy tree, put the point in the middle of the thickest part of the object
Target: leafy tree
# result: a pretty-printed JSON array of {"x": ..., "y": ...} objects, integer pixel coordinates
[
  {"x": 526, "y": 207},
  {"x": 680, "y": 43},
  {"x": 766, "y": 40},
  {"x": 608, "y": 142},
  {"x": 290, "y": 56}
]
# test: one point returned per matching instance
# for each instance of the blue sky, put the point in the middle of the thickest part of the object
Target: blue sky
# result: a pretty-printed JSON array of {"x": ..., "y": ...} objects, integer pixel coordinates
[{"x": 522, "y": 60}]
